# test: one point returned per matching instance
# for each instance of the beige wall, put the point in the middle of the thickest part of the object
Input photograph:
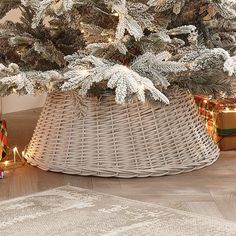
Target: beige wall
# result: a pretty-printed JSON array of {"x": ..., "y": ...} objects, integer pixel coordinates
[
  {"x": 12, "y": 15},
  {"x": 13, "y": 102}
]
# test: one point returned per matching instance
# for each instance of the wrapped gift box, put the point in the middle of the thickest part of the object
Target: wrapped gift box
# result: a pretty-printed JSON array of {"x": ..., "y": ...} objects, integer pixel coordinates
[
  {"x": 226, "y": 129},
  {"x": 3, "y": 139},
  {"x": 220, "y": 119}
]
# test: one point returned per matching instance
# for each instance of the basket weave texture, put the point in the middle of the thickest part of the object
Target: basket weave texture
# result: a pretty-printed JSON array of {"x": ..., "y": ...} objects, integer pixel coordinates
[{"x": 132, "y": 140}]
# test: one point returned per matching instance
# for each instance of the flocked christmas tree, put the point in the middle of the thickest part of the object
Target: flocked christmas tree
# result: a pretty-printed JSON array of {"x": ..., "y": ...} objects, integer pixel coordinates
[{"x": 128, "y": 47}]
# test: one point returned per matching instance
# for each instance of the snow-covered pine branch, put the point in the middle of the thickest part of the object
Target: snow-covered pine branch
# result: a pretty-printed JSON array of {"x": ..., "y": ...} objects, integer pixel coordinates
[
  {"x": 226, "y": 8},
  {"x": 139, "y": 12},
  {"x": 230, "y": 66},
  {"x": 207, "y": 59},
  {"x": 12, "y": 69},
  {"x": 126, "y": 22},
  {"x": 163, "y": 5},
  {"x": 40, "y": 7},
  {"x": 118, "y": 33},
  {"x": 184, "y": 29},
  {"x": 116, "y": 45},
  {"x": 85, "y": 72},
  {"x": 26, "y": 82},
  {"x": 157, "y": 67}
]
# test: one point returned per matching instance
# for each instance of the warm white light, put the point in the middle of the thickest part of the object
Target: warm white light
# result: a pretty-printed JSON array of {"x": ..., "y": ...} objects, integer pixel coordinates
[
  {"x": 109, "y": 40},
  {"x": 6, "y": 163},
  {"x": 82, "y": 31},
  {"x": 227, "y": 109},
  {"x": 223, "y": 95},
  {"x": 15, "y": 150},
  {"x": 205, "y": 101},
  {"x": 14, "y": 90},
  {"x": 116, "y": 14},
  {"x": 23, "y": 153}
]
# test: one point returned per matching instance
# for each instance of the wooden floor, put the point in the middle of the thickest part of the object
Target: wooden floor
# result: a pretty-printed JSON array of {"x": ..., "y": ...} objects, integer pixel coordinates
[{"x": 210, "y": 191}]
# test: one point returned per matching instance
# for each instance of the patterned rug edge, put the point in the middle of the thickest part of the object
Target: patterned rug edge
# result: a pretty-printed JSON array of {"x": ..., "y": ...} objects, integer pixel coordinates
[{"x": 182, "y": 212}]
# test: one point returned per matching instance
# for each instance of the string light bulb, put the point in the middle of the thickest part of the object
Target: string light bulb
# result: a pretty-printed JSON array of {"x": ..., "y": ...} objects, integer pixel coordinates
[
  {"x": 15, "y": 150},
  {"x": 116, "y": 14},
  {"x": 6, "y": 163},
  {"x": 223, "y": 95},
  {"x": 14, "y": 90},
  {"x": 110, "y": 40}
]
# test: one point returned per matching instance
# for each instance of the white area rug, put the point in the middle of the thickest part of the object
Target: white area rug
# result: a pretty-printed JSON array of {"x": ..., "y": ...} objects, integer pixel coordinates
[{"x": 73, "y": 211}]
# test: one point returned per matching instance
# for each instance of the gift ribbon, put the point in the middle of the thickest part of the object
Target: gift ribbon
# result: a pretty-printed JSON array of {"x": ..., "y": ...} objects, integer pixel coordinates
[{"x": 226, "y": 132}]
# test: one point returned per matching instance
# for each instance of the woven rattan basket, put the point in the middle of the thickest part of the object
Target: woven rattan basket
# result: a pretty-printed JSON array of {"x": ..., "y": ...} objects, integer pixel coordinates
[{"x": 133, "y": 140}]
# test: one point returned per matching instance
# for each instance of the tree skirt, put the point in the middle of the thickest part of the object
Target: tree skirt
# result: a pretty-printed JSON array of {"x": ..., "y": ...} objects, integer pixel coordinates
[
  {"x": 73, "y": 211},
  {"x": 133, "y": 140}
]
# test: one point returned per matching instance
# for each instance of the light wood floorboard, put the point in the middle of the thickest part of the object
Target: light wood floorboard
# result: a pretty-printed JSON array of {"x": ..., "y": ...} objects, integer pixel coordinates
[{"x": 210, "y": 191}]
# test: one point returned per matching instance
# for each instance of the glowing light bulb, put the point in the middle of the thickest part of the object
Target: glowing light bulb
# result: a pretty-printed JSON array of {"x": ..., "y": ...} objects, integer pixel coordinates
[
  {"x": 6, "y": 163},
  {"x": 116, "y": 14},
  {"x": 23, "y": 153},
  {"x": 82, "y": 31},
  {"x": 205, "y": 101},
  {"x": 14, "y": 90},
  {"x": 109, "y": 40},
  {"x": 15, "y": 150}
]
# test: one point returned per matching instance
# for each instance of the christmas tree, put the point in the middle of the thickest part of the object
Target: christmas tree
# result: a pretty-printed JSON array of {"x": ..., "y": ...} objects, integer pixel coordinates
[{"x": 130, "y": 48}]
